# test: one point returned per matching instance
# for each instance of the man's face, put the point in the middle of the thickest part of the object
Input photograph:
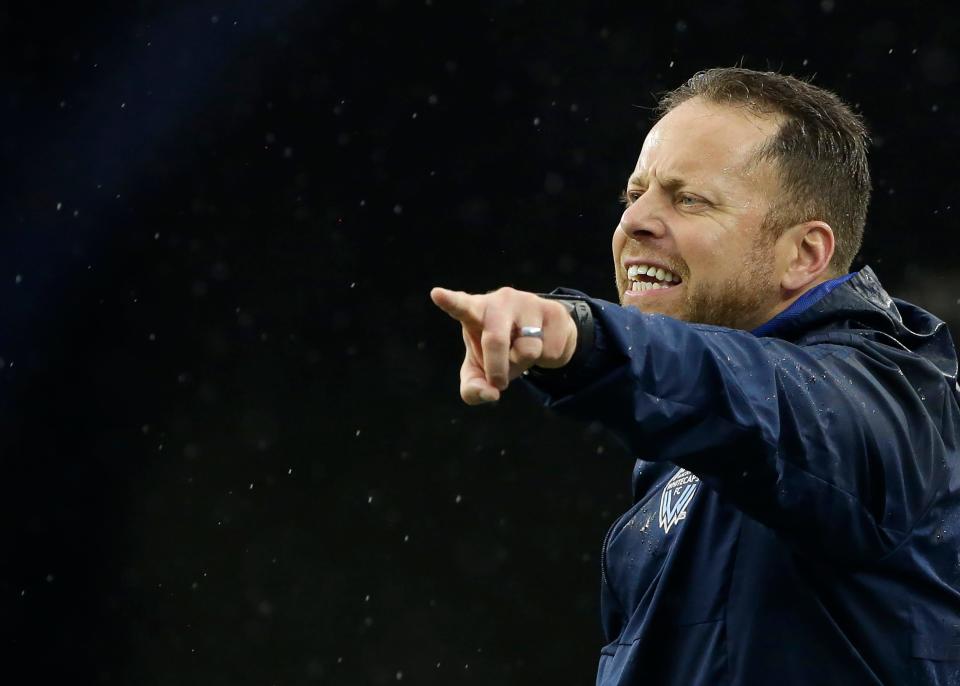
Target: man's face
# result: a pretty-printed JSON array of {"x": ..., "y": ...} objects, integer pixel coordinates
[{"x": 695, "y": 209}]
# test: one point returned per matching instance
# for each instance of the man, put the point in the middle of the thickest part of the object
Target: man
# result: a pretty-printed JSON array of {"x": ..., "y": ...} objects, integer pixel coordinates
[{"x": 797, "y": 496}]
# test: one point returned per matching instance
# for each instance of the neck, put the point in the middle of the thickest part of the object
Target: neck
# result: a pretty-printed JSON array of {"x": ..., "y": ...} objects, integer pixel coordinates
[{"x": 789, "y": 297}]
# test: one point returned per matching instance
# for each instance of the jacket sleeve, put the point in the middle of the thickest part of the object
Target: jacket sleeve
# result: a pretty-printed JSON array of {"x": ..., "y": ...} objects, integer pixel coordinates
[{"x": 830, "y": 444}]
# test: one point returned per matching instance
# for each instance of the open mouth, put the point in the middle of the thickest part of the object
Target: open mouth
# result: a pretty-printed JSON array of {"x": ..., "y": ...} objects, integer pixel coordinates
[{"x": 644, "y": 277}]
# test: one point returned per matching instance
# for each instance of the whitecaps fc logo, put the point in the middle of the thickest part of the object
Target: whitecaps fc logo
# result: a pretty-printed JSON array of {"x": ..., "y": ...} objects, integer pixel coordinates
[{"x": 675, "y": 497}]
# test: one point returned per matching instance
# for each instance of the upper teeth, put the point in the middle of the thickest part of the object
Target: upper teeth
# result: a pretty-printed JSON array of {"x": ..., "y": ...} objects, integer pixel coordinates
[{"x": 658, "y": 273}]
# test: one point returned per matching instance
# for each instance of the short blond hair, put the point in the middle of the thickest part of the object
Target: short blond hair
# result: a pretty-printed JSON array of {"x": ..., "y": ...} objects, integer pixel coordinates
[{"x": 820, "y": 150}]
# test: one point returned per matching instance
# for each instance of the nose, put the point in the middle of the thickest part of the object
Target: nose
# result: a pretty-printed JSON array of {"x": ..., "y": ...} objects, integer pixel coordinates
[{"x": 642, "y": 218}]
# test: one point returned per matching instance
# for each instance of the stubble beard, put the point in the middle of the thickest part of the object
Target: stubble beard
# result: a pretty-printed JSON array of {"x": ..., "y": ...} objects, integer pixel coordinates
[{"x": 737, "y": 303}]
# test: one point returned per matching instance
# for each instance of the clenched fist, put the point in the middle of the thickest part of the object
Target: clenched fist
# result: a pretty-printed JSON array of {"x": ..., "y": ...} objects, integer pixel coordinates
[{"x": 496, "y": 354}]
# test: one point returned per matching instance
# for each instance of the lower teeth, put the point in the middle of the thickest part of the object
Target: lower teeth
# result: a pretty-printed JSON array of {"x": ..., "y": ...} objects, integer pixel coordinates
[{"x": 640, "y": 286}]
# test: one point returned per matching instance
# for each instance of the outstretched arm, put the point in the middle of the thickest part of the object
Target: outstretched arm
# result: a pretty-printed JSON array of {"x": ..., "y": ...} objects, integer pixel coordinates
[{"x": 830, "y": 445}]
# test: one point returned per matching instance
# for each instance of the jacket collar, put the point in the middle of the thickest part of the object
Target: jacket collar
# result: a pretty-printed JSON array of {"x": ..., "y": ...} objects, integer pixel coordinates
[
  {"x": 857, "y": 303},
  {"x": 801, "y": 304}
]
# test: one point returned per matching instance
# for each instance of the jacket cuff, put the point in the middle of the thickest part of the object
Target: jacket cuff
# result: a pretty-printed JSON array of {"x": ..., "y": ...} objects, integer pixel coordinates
[{"x": 589, "y": 363}]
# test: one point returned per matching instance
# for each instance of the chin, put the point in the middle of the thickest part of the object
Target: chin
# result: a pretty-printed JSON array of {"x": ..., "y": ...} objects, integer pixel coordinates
[{"x": 646, "y": 308}]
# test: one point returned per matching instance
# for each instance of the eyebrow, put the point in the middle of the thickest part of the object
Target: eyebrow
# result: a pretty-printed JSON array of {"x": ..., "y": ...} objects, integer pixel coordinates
[
  {"x": 673, "y": 183},
  {"x": 670, "y": 182}
]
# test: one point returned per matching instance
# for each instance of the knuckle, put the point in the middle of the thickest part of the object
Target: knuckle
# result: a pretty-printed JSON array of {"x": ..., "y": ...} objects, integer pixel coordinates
[
  {"x": 493, "y": 339},
  {"x": 526, "y": 360},
  {"x": 499, "y": 293},
  {"x": 525, "y": 351},
  {"x": 552, "y": 350}
]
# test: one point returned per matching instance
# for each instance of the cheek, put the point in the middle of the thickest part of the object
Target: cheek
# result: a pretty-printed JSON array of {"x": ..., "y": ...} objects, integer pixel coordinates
[
  {"x": 709, "y": 256},
  {"x": 617, "y": 243},
  {"x": 619, "y": 238}
]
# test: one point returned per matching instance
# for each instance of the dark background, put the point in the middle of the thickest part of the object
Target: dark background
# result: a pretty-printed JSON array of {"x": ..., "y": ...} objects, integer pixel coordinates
[{"x": 233, "y": 449}]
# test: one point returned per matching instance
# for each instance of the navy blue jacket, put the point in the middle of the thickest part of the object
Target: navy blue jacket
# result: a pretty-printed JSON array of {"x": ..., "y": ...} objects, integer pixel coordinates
[{"x": 797, "y": 496}]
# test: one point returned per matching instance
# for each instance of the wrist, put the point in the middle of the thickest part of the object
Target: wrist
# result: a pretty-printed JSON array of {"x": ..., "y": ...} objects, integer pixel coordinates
[
  {"x": 573, "y": 337},
  {"x": 580, "y": 339}
]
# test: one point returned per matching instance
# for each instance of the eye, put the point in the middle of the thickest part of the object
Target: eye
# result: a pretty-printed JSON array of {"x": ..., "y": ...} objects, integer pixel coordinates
[
  {"x": 630, "y": 196},
  {"x": 687, "y": 200}
]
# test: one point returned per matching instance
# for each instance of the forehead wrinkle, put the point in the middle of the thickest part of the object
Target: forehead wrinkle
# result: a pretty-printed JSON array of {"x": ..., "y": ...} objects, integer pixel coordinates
[
  {"x": 671, "y": 181},
  {"x": 713, "y": 152},
  {"x": 681, "y": 168}
]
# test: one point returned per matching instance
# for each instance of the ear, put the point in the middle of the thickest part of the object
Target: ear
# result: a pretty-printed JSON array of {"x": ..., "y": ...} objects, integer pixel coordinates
[{"x": 804, "y": 252}]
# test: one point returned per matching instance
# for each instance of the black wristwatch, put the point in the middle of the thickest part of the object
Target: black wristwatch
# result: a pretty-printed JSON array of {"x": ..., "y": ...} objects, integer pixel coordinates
[{"x": 582, "y": 315}]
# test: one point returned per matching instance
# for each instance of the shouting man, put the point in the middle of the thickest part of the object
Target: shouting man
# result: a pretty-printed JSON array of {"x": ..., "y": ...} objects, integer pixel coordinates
[{"x": 797, "y": 493}]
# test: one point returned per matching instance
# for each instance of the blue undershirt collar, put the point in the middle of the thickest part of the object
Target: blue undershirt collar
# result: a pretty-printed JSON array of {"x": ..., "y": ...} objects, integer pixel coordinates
[{"x": 801, "y": 304}]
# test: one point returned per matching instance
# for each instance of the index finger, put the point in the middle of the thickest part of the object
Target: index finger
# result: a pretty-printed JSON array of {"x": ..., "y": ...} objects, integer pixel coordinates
[{"x": 459, "y": 305}]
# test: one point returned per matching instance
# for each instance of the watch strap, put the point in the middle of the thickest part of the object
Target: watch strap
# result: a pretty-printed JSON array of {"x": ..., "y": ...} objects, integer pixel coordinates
[{"x": 582, "y": 315}]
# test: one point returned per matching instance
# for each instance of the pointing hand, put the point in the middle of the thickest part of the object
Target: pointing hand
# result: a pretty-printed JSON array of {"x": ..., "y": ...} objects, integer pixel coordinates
[{"x": 496, "y": 353}]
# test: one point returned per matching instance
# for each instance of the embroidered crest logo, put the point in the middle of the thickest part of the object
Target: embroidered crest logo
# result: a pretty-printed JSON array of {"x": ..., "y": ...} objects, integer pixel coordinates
[{"x": 675, "y": 497}]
